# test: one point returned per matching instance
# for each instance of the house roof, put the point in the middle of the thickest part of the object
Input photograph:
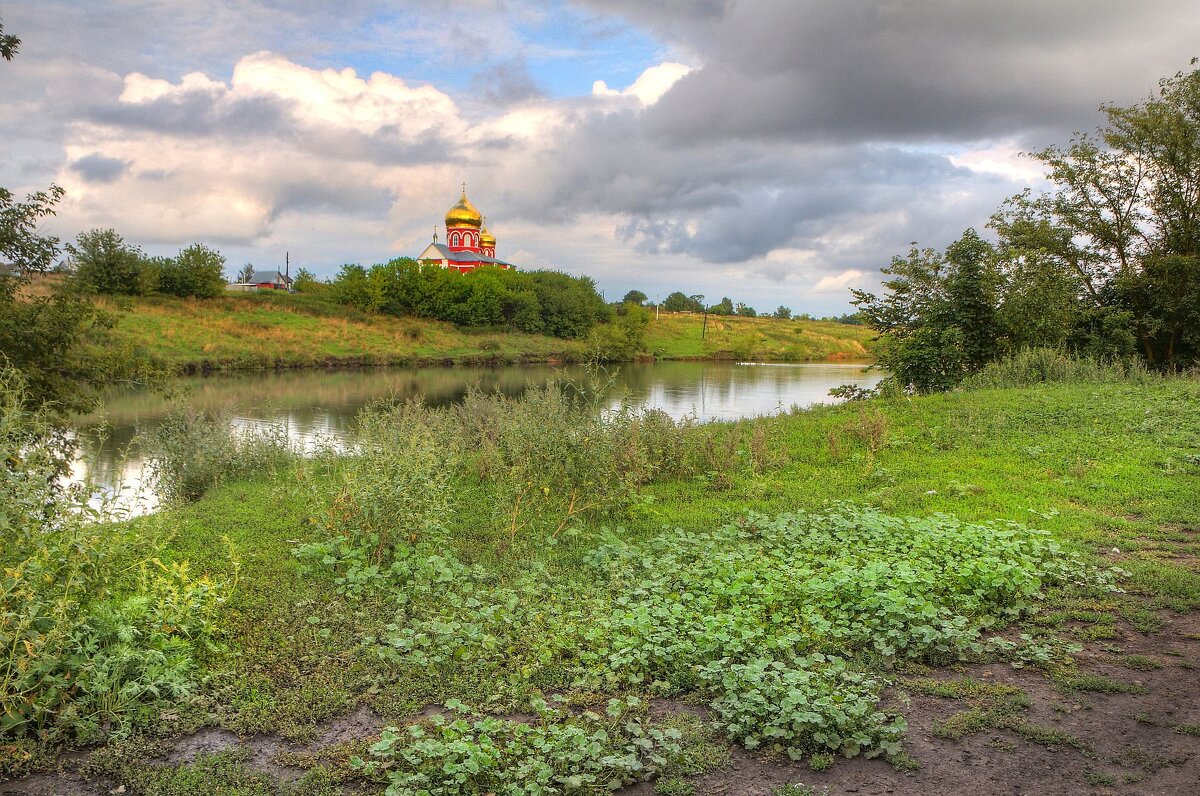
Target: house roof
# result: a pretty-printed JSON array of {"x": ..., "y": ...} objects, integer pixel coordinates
[{"x": 268, "y": 276}]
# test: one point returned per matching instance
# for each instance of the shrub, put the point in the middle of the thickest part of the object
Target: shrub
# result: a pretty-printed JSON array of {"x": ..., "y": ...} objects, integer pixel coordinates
[
  {"x": 85, "y": 654},
  {"x": 191, "y": 452},
  {"x": 1049, "y": 366}
]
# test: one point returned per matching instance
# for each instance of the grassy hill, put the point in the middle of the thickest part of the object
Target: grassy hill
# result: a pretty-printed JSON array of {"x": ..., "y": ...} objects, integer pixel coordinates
[
  {"x": 678, "y": 336},
  {"x": 260, "y": 330}
]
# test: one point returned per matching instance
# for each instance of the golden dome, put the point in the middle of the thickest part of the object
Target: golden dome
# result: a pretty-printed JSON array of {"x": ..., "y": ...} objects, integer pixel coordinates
[
  {"x": 487, "y": 239},
  {"x": 463, "y": 214}
]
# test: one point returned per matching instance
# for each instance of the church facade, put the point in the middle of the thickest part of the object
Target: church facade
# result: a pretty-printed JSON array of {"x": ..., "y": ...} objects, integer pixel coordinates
[{"x": 468, "y": 244}]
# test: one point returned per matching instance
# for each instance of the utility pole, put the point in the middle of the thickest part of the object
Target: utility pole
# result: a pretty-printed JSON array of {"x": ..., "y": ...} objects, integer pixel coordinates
[{"x": 699, "y": 299}]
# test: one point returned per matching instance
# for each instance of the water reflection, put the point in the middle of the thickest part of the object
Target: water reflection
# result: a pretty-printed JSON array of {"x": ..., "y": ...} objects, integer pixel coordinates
[{"x": 316, "y": 408}]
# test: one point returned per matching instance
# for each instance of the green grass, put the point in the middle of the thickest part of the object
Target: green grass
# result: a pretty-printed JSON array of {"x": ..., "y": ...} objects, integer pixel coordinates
[
  {"x": 679, "y": 336},
  {"x": 266, "y": 330},
  {"x": 1098, "y": 466}
]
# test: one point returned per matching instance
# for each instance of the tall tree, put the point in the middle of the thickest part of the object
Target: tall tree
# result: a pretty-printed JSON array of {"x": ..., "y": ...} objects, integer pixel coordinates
[{"x": 1123, "y": 219}]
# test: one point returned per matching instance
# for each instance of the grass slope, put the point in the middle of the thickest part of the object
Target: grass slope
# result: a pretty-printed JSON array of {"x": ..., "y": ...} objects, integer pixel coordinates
[
  {"x": 272, "y": 330},
  {"x": 269, "y": 330},
  {"x": 678, "y": 336}
]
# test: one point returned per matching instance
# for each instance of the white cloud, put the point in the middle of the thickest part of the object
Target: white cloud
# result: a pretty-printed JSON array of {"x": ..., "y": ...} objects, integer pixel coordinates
[
  {"x": 650, "y": 85},
  {"x": 838, "y": 283}
]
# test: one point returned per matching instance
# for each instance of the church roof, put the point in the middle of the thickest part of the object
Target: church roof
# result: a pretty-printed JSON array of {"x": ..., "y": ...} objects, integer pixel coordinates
[{"x": 464, "y": 256}]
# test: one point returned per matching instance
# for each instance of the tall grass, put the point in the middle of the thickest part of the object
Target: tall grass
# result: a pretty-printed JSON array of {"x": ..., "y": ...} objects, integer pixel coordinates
[
  {"x": 193, "y": 451},
  {"x": 1051, "y": 366},
  {"x": 97, "y": 634}
]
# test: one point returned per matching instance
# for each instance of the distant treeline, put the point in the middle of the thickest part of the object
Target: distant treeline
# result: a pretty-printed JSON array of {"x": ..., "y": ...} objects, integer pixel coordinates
[
  {"x": 538, "y": 302},
  {"x": 681, "y": 302}
]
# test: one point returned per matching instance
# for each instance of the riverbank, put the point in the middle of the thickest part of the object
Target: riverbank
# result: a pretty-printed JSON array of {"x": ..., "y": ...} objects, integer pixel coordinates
[
  {"x": 267, "y": 330},
  {"x": 701, "y": 615}
]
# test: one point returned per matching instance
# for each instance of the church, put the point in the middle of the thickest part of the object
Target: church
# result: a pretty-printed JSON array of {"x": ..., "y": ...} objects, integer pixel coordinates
[{"x": 468, "y": 244}]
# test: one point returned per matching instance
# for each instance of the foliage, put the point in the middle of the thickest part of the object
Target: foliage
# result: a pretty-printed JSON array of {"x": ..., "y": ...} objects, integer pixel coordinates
[
  {"x": 548, "y": 302},
  {"x": 564, "y": 753},
  {"x": 678, "y": 302},
  {"x": 8, "y": 44},
  {"x": 724, "y": 307},
  {"x": 621, "y": 339},
  {"x": 20, "y": 243},
  {"x": 82, "y": 656},
  {"x": 190, "y": 452},
  {"x": 635, "y": 297},
  {"x": 744, "y": 311},
  {"x": 104, "y": 263},
  {"x": 783, "y": 313},
  {"x": 1105, "y": 265},
  {"x": 937, "y": 318},
  {"x": 305, "y": 281},
  {"x": 196, "y": 272},
  {"x": 1051, "y": 366},
  {"x": 763, "y": 616}
]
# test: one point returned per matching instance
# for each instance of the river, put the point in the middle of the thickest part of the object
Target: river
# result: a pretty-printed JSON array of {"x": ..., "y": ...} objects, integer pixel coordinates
[{"x": 317, "y": 406}]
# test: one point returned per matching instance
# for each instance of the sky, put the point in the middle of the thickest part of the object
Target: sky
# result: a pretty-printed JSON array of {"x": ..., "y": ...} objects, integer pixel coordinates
[{"x": 778, "y": 152}]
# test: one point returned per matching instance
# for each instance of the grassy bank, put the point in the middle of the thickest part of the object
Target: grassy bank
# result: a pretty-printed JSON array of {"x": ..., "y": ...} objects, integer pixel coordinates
[
  {"x": 702, "y": 582},
  {"x": 268, "y": 330}
]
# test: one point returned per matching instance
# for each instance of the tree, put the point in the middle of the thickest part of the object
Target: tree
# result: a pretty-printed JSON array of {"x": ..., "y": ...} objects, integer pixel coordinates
[
  {"x": 745, "y": 312},
  {"x": 783, "y": 313},
  {"x": 245, "y": 274},
  {"x": 634, "y": 297},
  {"x": 305, "y": 281},
  {"x": 8, "y": 44},
  {"x": 678, "y": 302},
  {"x": 724, "y": 307},
  {"x": 196, "y": 272},
  {"x": 1123, "y": 222},
  {"x": 104, "y": 263},
  {"x": 917, "y": 318},
  {"x": 971, "y": 298},
  {"x": 622, "y": 339},
  {"x": 20, "y": 243}
]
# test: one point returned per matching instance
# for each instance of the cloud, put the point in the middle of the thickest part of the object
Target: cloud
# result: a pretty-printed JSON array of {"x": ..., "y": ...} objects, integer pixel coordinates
[
  {"x": 650, "y": 86},
  {"x": 768, "y": 151},
  {"x": 98, "y": 168},
  {"x": 506, "y": 83}
]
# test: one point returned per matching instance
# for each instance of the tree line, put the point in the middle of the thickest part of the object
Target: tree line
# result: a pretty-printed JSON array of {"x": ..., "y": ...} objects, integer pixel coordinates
[
  {"x": 681, "y": 302},
  {"x": 538, "y": 302},
  {"x": 1105, "y": 264}
]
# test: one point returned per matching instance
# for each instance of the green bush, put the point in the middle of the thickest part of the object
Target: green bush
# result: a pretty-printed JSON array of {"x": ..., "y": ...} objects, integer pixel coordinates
[
  {"x": 1051, "y": 366},
  {"x": 86, "y": 651},
  {"x": 191, "y": 452}
]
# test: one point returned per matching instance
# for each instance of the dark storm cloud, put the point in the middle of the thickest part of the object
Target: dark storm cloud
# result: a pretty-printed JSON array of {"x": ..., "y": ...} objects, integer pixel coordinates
[
  {"x": 924, "y": 69},
  {"x": 327, "y": 197},
  {"x": 97, "y": 168},
  {"x": 506, "y": 83}
]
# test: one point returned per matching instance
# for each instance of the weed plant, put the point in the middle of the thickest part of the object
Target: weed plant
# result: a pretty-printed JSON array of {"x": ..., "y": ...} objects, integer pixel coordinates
[
  {"x": 192, "y": 452},
  {"x": 1033, "y": 366},
  {"x": 588, "y": 752},
  {"x": 94, "y": 639}
]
